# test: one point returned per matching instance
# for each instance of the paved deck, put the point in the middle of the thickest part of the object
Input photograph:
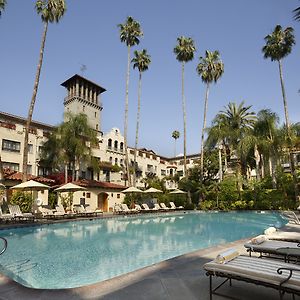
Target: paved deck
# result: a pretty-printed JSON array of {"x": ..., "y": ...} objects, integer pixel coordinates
[{"x": 180, "y": 278}]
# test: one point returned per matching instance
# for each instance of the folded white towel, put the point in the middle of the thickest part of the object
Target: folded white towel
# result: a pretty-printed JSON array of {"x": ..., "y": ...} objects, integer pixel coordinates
[
  {"x": 258, "y": 239},
  {"x": 270, "y": 230},
  {"x": 226, "y": 256}
]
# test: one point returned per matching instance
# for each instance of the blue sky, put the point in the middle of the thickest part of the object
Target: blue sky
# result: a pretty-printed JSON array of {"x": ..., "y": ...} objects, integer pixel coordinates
[{"x": 88, "y": 34}]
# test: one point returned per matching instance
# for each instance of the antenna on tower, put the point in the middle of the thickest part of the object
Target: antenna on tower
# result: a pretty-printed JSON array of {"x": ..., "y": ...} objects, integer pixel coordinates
[{"x": 82, "y": 68}]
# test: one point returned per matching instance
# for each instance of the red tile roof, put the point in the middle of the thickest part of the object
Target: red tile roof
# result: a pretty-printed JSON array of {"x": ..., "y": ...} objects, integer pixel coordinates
[
  {"x": 99, "y": 184},
  {"x": 14, "y": 175}
]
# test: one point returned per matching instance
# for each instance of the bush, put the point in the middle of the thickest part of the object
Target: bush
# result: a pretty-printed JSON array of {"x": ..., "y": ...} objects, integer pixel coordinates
[{"x": 23, "y": 199}]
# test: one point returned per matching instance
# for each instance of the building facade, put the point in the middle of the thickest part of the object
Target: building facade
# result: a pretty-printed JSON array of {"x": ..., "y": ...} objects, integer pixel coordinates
[{"x": 84, "y": 96}]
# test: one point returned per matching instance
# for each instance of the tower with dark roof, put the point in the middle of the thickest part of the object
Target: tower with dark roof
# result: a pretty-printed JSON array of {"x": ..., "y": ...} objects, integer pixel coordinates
[{"x": 84, "y": 97}]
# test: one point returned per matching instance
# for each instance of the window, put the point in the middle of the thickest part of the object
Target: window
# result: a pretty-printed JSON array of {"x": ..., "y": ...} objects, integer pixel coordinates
[
  {"x": 121, "y": 162},
  {"x": 29, "y": 169},
  {"x": 116, "y": 161},
  {"x": 88, "y": 195},
  {"x": 83, "y": 108},
  {"x": 163, "y": 172},
  {"x": 121, "y": 146},
  {"x": 110, "y": 159},
  {"x": 10, "y": 166},
  {"x": 109, "y": 143},
  {"x": 95, "y": 114},
  {"x": 30, "y": 148},
  {"x": 97, "y": 126},
  {"x": 118, "y": 196},
  {"x": 12, "y": 146}
]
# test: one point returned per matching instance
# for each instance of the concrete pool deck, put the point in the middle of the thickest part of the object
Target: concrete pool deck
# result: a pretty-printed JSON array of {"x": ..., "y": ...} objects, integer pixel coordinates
[{"x": 179, "y": 278}]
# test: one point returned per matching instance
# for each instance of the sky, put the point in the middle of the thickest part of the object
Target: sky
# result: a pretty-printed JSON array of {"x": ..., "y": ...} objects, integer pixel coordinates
[{"x": 88, "y": 34}]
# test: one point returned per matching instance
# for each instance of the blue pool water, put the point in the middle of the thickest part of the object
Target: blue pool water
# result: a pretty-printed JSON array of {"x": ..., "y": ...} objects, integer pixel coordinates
[{"x": 79, "y": 253}]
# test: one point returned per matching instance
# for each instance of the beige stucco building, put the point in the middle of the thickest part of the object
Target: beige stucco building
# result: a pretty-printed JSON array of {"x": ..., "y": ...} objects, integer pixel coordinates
[{"x": 84, "y": 96}]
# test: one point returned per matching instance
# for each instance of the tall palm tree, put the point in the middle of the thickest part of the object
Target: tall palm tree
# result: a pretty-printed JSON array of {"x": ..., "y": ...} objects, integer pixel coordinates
[
  {"x": 297, "y": 13},
  {"x": 141, "y": 61},
  {"x": 239, "y": 122},
  {"x": 268, "y": 141},
  {"x": 2, "y": 6},
  {"x": 175, "y": 136},
  {"x": 278, "y": 45},
  {"x": 210, "y": 68},
  {"x": 184, "y": 51},
  {"x": 50, "y": 11},
  {"x": 130, "y": 32}
]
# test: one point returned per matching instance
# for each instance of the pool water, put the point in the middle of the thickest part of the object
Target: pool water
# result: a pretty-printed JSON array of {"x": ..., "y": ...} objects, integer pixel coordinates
[{"x": 78, "y": 253}]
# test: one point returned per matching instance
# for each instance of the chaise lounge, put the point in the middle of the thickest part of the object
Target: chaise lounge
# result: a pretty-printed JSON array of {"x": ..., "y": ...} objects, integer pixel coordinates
[
  {"x": 284, "y": 277},
  {"x": 277, "y": 248}
]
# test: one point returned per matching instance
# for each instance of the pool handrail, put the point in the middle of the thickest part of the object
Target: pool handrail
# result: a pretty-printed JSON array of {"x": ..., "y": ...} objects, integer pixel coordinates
[{"x": 5, "y": 245}]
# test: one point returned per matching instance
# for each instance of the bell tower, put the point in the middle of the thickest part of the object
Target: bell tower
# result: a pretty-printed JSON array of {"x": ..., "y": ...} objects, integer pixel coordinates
[{"x": 84, "y": 97}]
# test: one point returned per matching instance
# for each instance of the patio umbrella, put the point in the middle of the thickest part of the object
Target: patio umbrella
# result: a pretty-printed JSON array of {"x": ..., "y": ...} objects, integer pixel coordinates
[
  {"x": 177, "y": 191},
  {"x": 132, "y": 190},
  {"x": 30, "y": 185},
  {"x": 70, "y": 187},
  {"x": 153, "y": 190}
]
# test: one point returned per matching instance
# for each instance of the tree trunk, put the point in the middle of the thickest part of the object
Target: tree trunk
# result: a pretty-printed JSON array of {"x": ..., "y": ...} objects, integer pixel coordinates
[
  {"x": 272, "y": 169},
  {"x": 291, "y": 156},
  {"x": 184, "y": 121},
  {"x": 257, "y": 160},
  {"x": 225, "y": 159},
  {"x": 66, "y": 173},
  {"x": 262, "y": 166},
  {"x": 174, "y": 147},
  {"x": 137, "y": 126},
  {"x": 220, "y": 165},
  {"x": 31, "y": 107},
  {"x": 126, "y": 119},
  {"x": 202, "y": 135}
]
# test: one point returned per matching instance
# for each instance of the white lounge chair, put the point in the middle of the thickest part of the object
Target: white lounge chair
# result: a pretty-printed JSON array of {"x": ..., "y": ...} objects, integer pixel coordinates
[
  {"x": 16, "y": 212},
  {"x": 163, "y": 206},
  {"x": 127, "y": 210},
  {"x": 5, "y": 217},
  {"x": 49, "y": 213},
  {"x": 147, "y": 209},
  {"x": 173, "y": 206},
  {"x": 284, "y": 277},
  {"x": 60, "y": 209}
]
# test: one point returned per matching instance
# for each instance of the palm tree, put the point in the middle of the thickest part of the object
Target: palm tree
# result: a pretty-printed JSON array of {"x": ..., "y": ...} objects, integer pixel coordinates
[
  {"x": 175, "y": 136},
  {"x": 210, "y": 68},
  {"x": 2, "y": 6},
  {"x": 268, "y": 141},
  {"x": 297, "y": 13},
  {"x": 50, "y": 11},
  {"x": 184, "y": 51},
  {"x": 239, "y": 122},
  {"x": 278, "y": 45},
  {"x": 70, "y": 145},
  {"x": 130, "y": 32},
  {"x": 141, "y": 61}
]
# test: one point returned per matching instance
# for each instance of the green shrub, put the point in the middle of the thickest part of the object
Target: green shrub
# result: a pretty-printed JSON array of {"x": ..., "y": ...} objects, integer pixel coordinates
[{"x": 23, "y": 199}]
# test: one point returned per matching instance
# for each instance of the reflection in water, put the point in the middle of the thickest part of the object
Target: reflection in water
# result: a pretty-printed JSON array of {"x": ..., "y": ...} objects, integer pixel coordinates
[{"x": 83, "y": 252}]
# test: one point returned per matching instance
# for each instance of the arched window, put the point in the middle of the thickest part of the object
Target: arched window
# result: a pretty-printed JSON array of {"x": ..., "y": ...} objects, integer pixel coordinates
[
  {"x": 110, "y": 159},
  {"x": 121, "y": 162},
  {"x": 121, "y": 146},
  {"x": 116, "y": 145},
  {"x": 109, "y": 143}
]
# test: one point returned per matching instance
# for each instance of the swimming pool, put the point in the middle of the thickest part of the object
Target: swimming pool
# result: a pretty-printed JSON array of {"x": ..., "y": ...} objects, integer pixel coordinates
[{"x": 79, "y": 253}]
